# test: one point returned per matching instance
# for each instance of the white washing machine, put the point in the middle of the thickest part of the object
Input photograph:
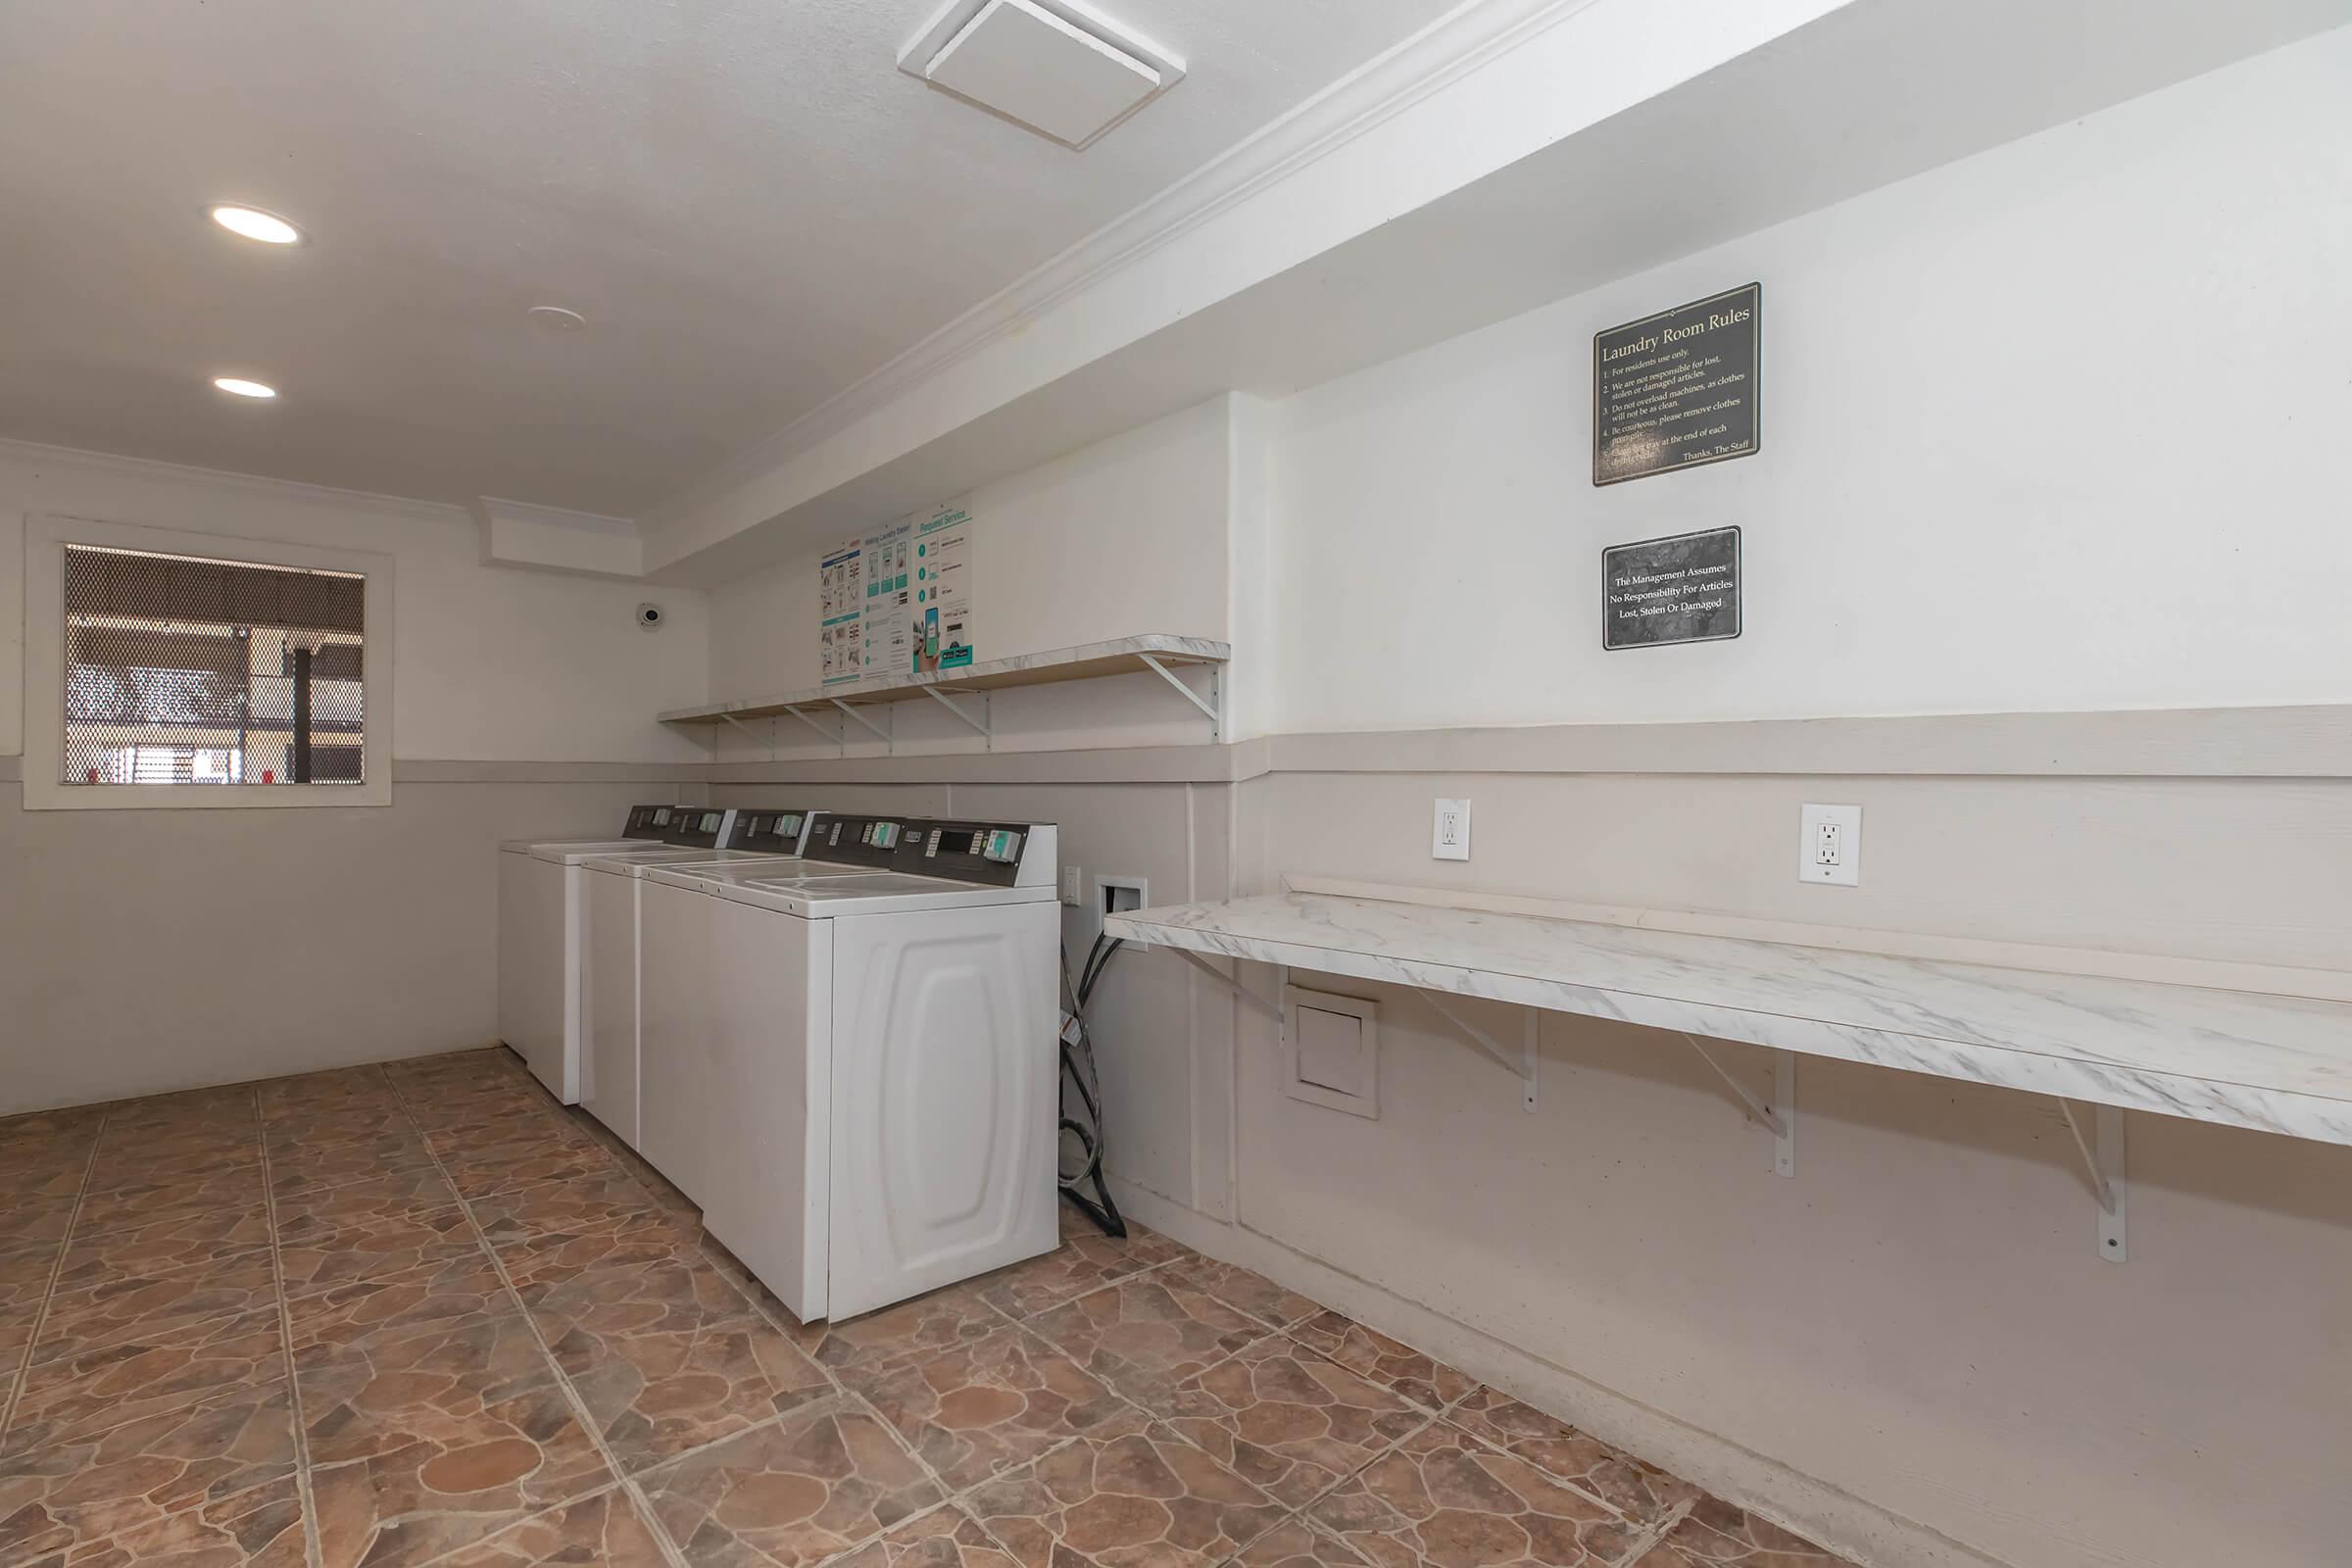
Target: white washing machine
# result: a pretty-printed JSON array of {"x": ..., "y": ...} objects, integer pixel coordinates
[
  {"x": 853, "y": 1075},
  {"x": 537, "y": 975},
  {"x": 609, "y": 1065}
]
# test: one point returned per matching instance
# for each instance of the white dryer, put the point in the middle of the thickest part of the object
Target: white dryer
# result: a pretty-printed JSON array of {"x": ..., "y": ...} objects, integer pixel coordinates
[
  {"x": 544, "y": 923},
  {"x": 538, "y": 995},
  {"x": 853, "y": 1075},
  {"x": 607, "y": 1076}
]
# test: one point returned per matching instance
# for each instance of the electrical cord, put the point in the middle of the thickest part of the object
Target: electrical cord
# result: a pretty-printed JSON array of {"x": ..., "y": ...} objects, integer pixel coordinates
[{"x": 1083, "y": 1137}]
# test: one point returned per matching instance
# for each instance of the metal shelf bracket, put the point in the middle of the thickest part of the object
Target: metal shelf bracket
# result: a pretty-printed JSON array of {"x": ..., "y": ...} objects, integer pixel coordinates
[
  {"x": 1520, "y": 1064},
  {"x": 952, "y": 706},
  {"x": 834, "y": 735},
  {"x": 851, "y": 712},
  {"x": 1240, "y": 992},
  {"x": 1214, "y": 709},
  {"x": 2104, "y": 1161},
  {"x": 753, "y": 735},
  {"x": 1780, "y": 1117}
]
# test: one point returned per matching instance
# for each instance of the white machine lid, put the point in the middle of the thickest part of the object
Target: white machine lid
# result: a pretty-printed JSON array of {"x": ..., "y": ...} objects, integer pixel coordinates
[
  {"x": 635, "y": 859},
  {"x": 822, "y": 897},
  {"x": 552, "y": 849},
  {"x": 575, "y": 853}
]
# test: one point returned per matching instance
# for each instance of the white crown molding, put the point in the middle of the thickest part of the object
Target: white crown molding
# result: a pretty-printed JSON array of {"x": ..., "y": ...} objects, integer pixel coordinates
[
  {"x": 1453, "y": 46},
  {"x": 155, "y": 471},
  {"x": 531, "y": 512}
]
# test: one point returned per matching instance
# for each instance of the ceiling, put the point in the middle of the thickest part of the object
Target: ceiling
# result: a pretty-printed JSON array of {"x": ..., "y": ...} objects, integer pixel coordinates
[{"x": 749, "y": 202}]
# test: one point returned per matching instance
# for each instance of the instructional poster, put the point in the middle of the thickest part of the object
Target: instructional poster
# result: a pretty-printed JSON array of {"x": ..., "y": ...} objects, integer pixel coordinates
[
  {"x": 890, "y": 631},
  {"x": 841, "y": 613},
  {"x": 1679, "y": 388},
  {"x": 943, "y": 589}
]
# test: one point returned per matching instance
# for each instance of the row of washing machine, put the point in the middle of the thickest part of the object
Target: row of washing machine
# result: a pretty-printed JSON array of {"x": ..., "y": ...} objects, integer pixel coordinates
[{"x": 835, "y": 1033}]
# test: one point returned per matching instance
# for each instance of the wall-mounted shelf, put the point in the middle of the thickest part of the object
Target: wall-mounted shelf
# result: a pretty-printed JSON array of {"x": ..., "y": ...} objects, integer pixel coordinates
[
  {"x": 2278, "y": 1064},
  {"x": 836, "y": 705}
]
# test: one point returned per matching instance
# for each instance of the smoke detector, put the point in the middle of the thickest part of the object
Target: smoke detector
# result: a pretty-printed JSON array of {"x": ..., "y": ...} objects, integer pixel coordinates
[{"x": 1061, "y": 69}]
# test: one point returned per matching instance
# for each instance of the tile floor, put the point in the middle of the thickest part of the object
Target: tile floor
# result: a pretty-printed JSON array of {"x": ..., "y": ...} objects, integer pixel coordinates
[{"x": 423, "y": 1314}]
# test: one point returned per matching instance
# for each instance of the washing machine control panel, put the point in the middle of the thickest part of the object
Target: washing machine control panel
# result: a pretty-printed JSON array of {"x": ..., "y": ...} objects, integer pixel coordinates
[
  {"x": 858, "y": 840},
  {"x": 777, "y": 832},
  {"x": 649, "y": 821},
  {"x": 969, "y": 852},
  {"x": 697, "y": 827}
]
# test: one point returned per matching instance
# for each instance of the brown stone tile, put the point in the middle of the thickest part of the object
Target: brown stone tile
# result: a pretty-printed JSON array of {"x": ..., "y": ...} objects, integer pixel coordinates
[
  {"x": 944, "y": 1538},
  {"x": 1143, "y": 1336},
  {"x": 1243, "y": 1290},
  {"x": 1396, "y": 1366},
  {"x": 426, "y": 1435},
  {"x": 604, "y": 1531},
  {"x": 78, "y": 1493},
  {"x": 1720, "y": 1535},
  {"x": 932, "y": 1322},
  {"x": 331, "y": 1156},
  {"x": 485, "y": 1170},
  {"x": 443, "y": 1109},
  {"x": 45, "y": 1154},
  {"x": 551, "y": 1231},
  {"x": 823, "y": 1479},
  {"x": 323, "y": 1252},
  {"x": 1135, "y": 1495},
  {"x": 128, "y": 1155},
  {"x": 35, "y": 1221},
  {"x": 306, "y": 1215},
  {"x": 231, "y": 1104},
  {"x": 314, "y": 1096},
  {"x": 258, "y": 1528},
  {"x": 1440, "y": 1500},
  {"x": 977, "y": 1409},
  {"x": 1292, "y": 1545},
  {"x": 24, "y": 1274},
  {"x": 667, "y": 1357},
  {"x": 1086, "y": 1260},
  {"x": 1639, "y": 1490},
  {"x": 134, "y": 1379},
  {"x": 235, "y": 1184},
  {"x": 330, "y": 1323},
  {"x": 102, "y": 1300},
  {"x": 1286, "y": 1420}
]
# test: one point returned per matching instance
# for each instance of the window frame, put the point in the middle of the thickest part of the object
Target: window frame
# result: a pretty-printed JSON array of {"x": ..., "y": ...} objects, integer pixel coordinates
[{"x": 45, "y": 790}]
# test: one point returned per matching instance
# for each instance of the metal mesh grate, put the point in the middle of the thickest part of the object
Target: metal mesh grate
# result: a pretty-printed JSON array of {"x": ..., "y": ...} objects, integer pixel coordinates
[{"x": 182, "y": 670}]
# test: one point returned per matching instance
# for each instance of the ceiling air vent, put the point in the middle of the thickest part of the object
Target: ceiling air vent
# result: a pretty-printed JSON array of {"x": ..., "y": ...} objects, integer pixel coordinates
[{"x": 1060, "y": 69}]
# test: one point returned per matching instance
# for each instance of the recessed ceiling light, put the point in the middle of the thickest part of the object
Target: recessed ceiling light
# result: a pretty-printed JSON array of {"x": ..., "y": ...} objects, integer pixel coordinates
[
  {"x": 556, "y": 318},
  {"x": 254, "y": 224},
  {"x": 244, "y": 388}
]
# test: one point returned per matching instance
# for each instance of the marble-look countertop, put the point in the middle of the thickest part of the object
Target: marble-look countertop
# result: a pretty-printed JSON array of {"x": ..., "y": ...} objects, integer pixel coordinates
[
  {"x": 2276, "y": 1064},
  {"x": 881, "y": 688}
]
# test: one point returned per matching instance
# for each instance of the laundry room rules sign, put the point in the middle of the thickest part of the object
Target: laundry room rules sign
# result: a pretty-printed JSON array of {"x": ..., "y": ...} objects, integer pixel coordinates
[{"x": 1678, "y": 389}]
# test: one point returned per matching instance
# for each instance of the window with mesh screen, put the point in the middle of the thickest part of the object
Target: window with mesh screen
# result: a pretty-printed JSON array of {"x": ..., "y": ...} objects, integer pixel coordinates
[{"x": 183, "y": 670}]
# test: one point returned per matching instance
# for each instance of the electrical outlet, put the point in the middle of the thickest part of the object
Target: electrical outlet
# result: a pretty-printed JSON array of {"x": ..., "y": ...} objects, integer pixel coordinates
[
  {"x": 1073, "y": 886},
  {"x": 1449, "y": 831},
  {"x": 1829, "y": 846}
]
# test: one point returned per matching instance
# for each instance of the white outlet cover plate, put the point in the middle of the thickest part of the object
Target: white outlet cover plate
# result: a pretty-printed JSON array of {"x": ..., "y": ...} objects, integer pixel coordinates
[
  {"x": 1843, "y": 824},
  {"x": 1438, "y": 848}
]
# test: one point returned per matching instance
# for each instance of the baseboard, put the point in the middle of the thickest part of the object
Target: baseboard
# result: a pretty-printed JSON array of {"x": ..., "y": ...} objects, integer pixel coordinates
[{"x": 1846, "y": 1524}]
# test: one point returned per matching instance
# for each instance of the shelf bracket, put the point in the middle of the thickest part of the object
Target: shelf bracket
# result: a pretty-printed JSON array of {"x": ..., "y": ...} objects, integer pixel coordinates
[
  {"x": 1780, "y": 1117},
  {"x": 1212, "y": 710},
  {"x": 753, "y": 735},
  {"x": 956, "y": 708},
  {"x": 1520, "y": 1064},
  {"x": 833, "y": 735},
  {"x": 2104, "y": 1161},
  {"x": 851, "y": 712},
  {"x": 1240, "y": 992}
]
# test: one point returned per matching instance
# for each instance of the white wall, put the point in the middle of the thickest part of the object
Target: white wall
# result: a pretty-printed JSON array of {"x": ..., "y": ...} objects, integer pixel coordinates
[
  {"x": 2055, "y": 427},
  {"x": 489, "y": 664},
  {"x": 1122, "y": 537}
]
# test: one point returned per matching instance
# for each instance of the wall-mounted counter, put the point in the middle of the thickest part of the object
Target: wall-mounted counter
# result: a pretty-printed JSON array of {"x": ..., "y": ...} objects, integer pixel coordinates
[{"x": 2278, "y": 1063}]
